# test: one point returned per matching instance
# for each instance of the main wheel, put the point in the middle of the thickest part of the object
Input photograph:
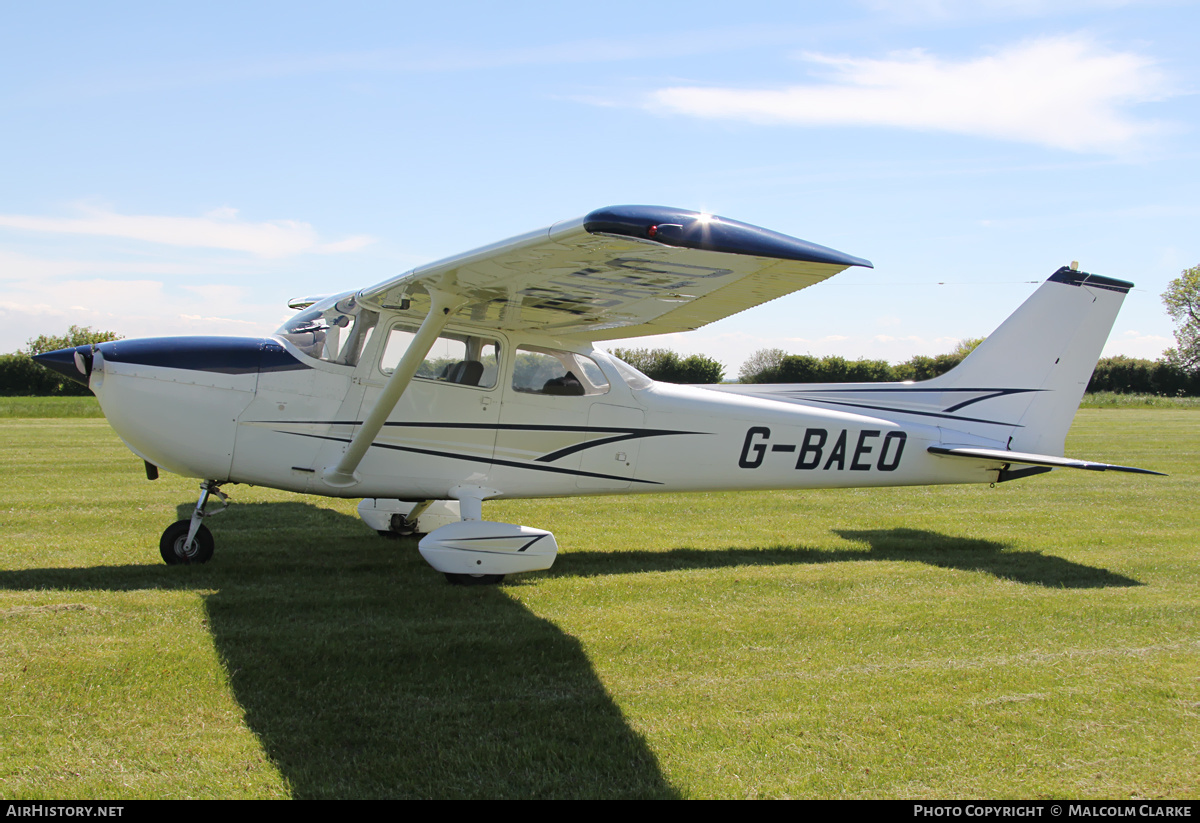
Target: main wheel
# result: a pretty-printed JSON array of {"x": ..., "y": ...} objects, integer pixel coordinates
[
  {"x": 175, "y": 553},
  {"x": 470, "y": 579}
]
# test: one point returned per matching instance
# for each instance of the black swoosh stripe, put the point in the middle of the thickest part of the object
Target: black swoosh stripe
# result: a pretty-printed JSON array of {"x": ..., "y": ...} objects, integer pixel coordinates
[
  {"x": 620, "y": 434},
  {"x": 578, "y": 447},
  {"x": 503, "y": 537},
  {"x": 496, "y": 426},
  {"x": 996, "y": 393},
  {"x": 512, "y": 463},
  {"x": 988, "y": 394},
  {"x": 921, "y": 413}
]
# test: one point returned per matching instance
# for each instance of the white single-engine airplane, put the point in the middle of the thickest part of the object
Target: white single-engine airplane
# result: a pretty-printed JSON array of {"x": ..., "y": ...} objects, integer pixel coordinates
[{"x": 475, "y": 378}]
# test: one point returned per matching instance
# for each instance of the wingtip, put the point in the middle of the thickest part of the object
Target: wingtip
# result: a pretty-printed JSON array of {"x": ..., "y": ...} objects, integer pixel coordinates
[
  {"x": 710, "y": 232},
  {"x": 1135, "y": 470}
]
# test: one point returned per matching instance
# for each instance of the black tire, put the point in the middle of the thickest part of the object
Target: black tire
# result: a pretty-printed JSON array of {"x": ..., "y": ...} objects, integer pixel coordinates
[
  {"x": 172, "y": 549},
  {"x": 471, "y": 579},
  {"x": 401, "y": 527}
]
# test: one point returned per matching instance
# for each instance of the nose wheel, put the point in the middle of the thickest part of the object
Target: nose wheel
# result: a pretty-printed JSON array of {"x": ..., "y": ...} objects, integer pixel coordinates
[
  {"x": 178, "y": 551},
  {"x": 189, "y": 541}
]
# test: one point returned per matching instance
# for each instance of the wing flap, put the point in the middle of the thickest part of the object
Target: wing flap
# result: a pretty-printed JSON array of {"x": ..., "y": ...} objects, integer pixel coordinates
[{"x": 618, "y": 272}]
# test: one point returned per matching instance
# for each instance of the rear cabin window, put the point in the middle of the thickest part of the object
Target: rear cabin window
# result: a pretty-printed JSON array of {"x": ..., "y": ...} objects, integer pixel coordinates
[
  {"x": 556, "y": 372},
  {"x": 461, "y": 359}
]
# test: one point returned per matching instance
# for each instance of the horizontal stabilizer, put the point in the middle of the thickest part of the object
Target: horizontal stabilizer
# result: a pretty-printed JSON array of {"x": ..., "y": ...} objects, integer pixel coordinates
[{"x": 1024, "y": 458}]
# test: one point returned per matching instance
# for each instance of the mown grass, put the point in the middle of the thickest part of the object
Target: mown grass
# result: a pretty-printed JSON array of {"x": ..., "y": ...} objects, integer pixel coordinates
[
  {"x": 1038, "y": 639},
  {"x": 88, "y": 407},
  {"x": 54, "y": 407},
  {"x": 1112, "y": 400}
]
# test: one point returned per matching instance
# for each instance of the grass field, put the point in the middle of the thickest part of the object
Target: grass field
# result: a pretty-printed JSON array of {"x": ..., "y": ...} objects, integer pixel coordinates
[
  {"x": 1038, "y": 639},
  {"x": 88, "y": 407}
]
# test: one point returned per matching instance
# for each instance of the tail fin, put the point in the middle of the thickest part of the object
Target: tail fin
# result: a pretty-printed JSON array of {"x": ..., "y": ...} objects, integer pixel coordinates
[
  {"x": 1041, "y": 358},
  {"x": 1018, "y": 391}
]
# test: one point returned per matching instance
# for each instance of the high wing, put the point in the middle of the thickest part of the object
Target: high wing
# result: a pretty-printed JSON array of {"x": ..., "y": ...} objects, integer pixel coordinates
[{"x": 622, "y": 271}]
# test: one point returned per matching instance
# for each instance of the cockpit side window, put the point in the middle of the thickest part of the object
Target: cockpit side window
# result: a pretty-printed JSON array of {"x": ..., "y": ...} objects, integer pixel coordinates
[
  {"x": 555, "y": 372},
  {"x": 461, "y": 359}
]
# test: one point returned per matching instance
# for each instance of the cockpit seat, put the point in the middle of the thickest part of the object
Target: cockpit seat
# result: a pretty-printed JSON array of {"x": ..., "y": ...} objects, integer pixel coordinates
[
  {"x": 566, "y": 386},
  {"x": 464, "y": 373}
]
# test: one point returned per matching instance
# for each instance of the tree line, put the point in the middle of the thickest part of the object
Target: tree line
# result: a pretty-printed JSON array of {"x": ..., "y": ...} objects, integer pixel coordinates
[
  {"x": 1121, "y": 375},
  {"x": 1176, "y": 374},
  {"x": 22, "y": 376},
  {"x": 667, "y": 366}
]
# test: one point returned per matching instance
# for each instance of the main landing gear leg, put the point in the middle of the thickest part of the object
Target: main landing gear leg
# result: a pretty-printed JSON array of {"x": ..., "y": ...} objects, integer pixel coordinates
[
  {"x": 406, "y": 525},
  {"x": 190, "y": 541},
  {"x": 470, "y": 502}
]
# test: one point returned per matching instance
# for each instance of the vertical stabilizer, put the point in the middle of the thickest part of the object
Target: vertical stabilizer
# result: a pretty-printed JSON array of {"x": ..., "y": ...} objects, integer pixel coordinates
[{"x": 1045, "y": 353}]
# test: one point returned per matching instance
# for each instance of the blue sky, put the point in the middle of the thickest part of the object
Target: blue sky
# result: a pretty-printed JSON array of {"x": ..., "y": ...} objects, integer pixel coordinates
[{"x": 174, "y": 169}]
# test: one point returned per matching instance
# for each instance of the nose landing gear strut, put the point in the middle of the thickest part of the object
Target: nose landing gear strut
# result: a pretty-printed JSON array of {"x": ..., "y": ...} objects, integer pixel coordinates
[{"x": 189, "y": 541}]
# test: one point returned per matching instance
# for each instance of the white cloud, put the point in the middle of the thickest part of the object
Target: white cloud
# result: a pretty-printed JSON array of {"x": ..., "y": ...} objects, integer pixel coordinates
[
  {"x": 20, "y": 267},
  {"x": 132, "y": 308},
  {"x": 973, "y": 9},
  {"x": 1065, "y": 92},
  {"x": 218, "y": 293},
  {"x": 1134, "y": 343},
  {"x": 218, "y": 229}
]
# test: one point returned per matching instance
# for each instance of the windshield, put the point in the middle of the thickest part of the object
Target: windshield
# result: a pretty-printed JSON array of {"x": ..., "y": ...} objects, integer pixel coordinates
[
  {"x": 335, "y": 329},
  {"x": 632, "y": 377}
]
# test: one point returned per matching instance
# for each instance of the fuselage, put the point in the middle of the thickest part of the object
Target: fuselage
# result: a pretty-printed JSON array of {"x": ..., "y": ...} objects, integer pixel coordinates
[{"x": 266, "y": 411}]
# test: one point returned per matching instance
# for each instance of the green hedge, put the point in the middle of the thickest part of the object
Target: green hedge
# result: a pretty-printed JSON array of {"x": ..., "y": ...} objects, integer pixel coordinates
[
  {"x": 22, "y": 376},
  {"x": 1128, "y": 375},
  {"x": 1121, "y": 375},
  {"x": 667, "y": 366},
  {"x": 804, "y": 368}
]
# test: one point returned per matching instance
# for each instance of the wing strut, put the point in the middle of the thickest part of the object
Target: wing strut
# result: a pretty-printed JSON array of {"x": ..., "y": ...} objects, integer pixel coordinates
[{"x": 442, "y": 305}]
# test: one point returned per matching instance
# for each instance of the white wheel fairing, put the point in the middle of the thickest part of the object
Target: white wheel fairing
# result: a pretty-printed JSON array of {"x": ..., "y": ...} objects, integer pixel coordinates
[{"x": 484, "y": 547}]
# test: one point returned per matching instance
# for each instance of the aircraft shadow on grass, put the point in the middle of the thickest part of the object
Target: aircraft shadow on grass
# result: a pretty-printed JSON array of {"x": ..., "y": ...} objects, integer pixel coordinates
[
  {"x": 907, "y": 545},
  {"x": 365, "y": 675}
]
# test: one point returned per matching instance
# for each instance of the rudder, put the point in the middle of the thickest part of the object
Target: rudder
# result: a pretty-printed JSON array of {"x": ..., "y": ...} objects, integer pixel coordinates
[{"x": 1045, "y": 353}]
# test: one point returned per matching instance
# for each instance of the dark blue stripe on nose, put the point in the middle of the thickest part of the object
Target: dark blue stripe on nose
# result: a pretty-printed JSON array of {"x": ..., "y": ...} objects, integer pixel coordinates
[{"x": 227, "y": 355}]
